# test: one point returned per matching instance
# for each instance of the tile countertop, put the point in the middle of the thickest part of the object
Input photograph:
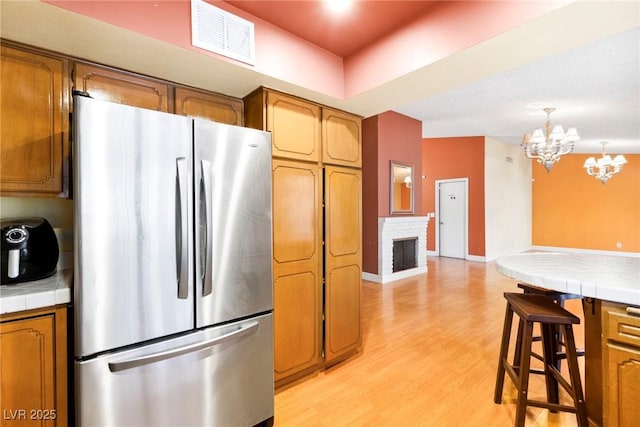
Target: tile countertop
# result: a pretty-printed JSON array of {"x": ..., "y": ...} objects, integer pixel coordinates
[
  {"x": 604, "y": 277},
  {"x": 47, "y": 292}
]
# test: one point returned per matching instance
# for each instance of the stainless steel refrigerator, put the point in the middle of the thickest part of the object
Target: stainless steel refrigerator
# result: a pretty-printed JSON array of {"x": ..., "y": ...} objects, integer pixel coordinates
[{"x": 173, "y": 282}]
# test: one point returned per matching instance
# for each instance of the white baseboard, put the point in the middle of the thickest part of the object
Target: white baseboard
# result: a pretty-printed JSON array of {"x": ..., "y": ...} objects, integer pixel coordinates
[
  {"x": 377, "y": 278},
  {"x": 371, "y": 277}
]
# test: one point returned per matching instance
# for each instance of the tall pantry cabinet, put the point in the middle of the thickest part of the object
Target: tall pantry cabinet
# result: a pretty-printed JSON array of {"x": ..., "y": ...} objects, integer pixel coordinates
[{"x": 317, "y": 258}]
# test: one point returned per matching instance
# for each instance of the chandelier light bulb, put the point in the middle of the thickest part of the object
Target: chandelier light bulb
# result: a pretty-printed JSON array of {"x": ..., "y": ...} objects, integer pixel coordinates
[
  {"x": 557, "y": 133},
  {"x": 572, "y": 135},
  {"x": 537, "y": 136}
]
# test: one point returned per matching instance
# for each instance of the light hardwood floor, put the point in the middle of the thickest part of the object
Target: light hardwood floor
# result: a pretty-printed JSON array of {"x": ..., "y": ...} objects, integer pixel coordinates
[{"x": 428, "y": 358}]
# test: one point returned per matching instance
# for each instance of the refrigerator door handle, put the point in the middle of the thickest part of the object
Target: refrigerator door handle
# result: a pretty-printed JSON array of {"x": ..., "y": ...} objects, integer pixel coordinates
[
  {"x": 170, "y": 354},
  {"x": 205, "y": 227},
  {"x": 181, "y": 229}
]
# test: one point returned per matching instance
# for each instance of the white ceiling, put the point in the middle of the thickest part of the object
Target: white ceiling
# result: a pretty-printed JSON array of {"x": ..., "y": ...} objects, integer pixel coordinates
[{"x": 595, "y": 88}]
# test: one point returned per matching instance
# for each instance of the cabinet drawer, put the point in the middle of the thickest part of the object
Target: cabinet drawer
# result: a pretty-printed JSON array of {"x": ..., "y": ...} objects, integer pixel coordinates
[{"x": 622, "y": 327}]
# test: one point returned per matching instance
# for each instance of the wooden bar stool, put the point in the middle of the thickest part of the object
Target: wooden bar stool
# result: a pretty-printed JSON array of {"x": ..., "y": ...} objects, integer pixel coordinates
[
  {"x": 532, "y": 308},
  {"x": 559, "y": 298}
]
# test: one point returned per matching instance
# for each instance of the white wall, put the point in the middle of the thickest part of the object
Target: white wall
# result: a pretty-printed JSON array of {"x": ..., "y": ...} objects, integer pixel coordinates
[{"x": 507, "y": 189}]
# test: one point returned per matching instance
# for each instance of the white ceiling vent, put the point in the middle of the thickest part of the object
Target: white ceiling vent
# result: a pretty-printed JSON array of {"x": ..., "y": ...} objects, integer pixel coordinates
[{"x": 221, "y": 32}]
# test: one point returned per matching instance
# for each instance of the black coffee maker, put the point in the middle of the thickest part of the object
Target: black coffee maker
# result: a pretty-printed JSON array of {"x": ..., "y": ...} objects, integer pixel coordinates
[{"x": 29, "y": 250}]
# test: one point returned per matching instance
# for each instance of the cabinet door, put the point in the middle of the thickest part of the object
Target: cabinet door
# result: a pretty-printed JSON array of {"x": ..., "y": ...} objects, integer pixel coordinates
[
  {"x": 35, "y": 124},
  {"x": 621, "y": 401},
  {"x": 296, "y": 267},
  {"x": 28, "y": 371},
  {"x": 621, "y": 337},
  {"x": 121, "y": 87},
  {"x": 343, "y": 261},
  {"x": 341, "y": 138},
  {"x": 209, "y": 106},
  {"x": 295, "y": 127}
]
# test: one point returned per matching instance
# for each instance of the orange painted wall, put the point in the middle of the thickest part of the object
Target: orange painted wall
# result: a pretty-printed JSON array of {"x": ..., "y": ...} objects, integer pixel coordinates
[
  {"x": 385, "y": 137},
  {"x": 447, "y": 158},
  {"x": 574, "y": 210},
  {"x": 370, "y": 195}
]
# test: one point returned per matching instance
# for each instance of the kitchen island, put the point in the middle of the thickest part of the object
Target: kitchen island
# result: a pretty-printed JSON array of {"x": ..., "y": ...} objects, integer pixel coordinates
[
  {"x": 604, "y": 277},
  {"x": 610, "y": 287}
]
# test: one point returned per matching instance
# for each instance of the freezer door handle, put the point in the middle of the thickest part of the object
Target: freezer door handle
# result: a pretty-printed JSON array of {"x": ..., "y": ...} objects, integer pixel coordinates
[
  {"x": 181, "y": 229},
  {"x": 175, "y": 352},
  {"x": 205, "y": 227}
]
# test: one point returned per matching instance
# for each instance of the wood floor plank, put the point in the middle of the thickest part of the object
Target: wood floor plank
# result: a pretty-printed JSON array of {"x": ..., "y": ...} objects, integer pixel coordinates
[{"x": 428, "y": 358}]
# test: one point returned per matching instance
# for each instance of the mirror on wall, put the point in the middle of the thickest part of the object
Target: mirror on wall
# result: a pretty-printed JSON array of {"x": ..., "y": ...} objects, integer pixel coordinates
[{"x": 401, "y": 193}]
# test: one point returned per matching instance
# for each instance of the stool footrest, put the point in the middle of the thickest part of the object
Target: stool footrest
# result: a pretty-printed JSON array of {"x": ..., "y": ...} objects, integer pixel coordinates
[{"x": 551, "y": 406}]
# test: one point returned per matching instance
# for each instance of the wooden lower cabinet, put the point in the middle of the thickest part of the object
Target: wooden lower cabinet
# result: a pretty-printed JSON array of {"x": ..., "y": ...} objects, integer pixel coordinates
[
  {"x": 298, "y": 328},
  {"x": 622, "y": 403},
  {"x": 33, "y": 368},
  {"x": 296, "y": 267},
  {"x": 621, "y": 356}
]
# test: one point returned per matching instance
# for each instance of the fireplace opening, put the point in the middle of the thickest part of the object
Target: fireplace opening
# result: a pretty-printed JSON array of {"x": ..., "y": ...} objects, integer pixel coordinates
[{"x": 404, "y": 254}]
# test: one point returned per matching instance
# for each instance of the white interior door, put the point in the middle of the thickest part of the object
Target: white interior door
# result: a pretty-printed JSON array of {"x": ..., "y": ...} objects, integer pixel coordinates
[{"x": 452, "y": 218}]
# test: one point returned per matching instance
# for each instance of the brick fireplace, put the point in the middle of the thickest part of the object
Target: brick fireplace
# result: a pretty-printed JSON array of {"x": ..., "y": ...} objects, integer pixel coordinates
[{"x": 400, "y": 229}]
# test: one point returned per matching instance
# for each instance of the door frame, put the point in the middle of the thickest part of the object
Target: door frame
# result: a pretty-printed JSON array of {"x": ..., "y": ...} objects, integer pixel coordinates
[{"x": 465, "y": 180}]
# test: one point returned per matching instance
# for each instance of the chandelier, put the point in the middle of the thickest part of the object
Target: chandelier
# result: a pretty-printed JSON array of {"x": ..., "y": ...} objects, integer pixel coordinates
[
  {"x": 547, "y": 146},
  {"x": 606, "y": 167}
]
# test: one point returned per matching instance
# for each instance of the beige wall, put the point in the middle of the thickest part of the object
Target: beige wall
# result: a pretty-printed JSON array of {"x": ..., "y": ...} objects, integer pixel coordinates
[
  {"x": 59, "y": 213},
  {"x": 507, "y": 191}
]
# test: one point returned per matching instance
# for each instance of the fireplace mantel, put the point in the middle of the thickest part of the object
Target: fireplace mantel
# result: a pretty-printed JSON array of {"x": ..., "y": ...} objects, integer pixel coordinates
[{"x": 399, "y": 227}]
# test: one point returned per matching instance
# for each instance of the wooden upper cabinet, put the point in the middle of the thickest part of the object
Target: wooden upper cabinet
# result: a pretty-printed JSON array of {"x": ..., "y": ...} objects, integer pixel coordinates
[
  {"x": 341, "y": 138},
  {"x": 121, "y": 87},
  {"x": 35, "y": 124},
  {"x": 342, "y": 260},
  {"x": 210, "y": 106},
  {"x": 294, "y": 123}
]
